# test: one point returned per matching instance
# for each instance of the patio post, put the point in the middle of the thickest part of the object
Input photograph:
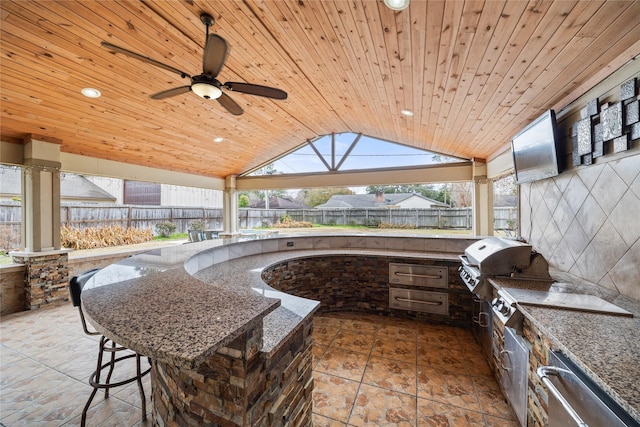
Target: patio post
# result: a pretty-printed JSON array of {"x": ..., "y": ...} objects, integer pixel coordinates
[
  {"x": 46, "y": 263},
  {"x": 482, "y": 199},
  {"x": 230, "y": 207}
]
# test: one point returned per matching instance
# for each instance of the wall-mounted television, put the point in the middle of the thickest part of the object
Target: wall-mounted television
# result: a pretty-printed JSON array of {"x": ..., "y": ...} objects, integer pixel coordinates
[{"x": 535, "y": 150}]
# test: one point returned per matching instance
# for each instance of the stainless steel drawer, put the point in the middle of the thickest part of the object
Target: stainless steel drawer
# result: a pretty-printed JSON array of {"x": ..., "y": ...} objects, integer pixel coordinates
[
  {"x": 423, "y": 301},
  {"x": 432, "y": 276}
]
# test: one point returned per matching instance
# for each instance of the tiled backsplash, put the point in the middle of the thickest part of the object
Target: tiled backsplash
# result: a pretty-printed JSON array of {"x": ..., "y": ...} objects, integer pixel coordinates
[{"x": 587, "y": 223}]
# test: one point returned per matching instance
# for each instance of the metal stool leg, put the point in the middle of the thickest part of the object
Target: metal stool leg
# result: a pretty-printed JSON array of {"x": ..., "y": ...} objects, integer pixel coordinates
[
  {"x": 95, "y": 389},
  {"x": 140, "y": 388},
  {"x": 113, "y": 363}
]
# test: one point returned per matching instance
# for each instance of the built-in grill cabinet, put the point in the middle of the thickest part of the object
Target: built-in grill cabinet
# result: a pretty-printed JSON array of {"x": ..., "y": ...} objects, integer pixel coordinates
[{"x": 418, "y": 276}]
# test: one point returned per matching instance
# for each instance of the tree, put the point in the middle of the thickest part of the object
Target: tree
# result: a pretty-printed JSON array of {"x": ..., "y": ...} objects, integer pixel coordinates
[
  {"x": 243, "y": 201},
  {"x": 461, "y": 194},
  {"x": 426, "y": 190},
  {"x": 505, "y": 185},
  {"x": 317, "y": 196}
]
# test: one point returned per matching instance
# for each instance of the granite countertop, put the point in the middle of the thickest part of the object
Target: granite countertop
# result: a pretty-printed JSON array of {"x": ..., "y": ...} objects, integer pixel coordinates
[
  {"x": 606, "y": 347},
  {"x": 180, "y": 304}
]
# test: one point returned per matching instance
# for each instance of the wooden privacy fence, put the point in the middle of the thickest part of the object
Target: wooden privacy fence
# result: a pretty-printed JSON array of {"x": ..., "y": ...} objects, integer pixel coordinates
[{"x": 84, "y": 216}]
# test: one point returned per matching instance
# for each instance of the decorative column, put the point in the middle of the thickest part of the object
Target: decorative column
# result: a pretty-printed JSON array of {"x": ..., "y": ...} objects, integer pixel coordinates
[
  {"x": 482, "y": 200},
  {"x": 230, "y": 208},
  {"x": 46, "y": 272}
]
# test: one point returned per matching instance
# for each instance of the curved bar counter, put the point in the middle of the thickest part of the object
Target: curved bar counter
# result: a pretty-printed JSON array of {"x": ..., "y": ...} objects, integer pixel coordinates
[{"x": 227, "y": 347}]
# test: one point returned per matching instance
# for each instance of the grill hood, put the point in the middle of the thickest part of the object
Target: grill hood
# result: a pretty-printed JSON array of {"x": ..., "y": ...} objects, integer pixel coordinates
[{"x": 498, "y": 256}]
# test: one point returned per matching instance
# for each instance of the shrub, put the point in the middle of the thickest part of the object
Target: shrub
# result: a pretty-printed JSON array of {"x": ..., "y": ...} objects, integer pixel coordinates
[
  {"x": 287, "y": 222},
  {"x": 402, "y": 226},
  {"x": 198, "y": 224},
  {"x": 91, "y": 238},
  {"x": 165, "y": 229}
]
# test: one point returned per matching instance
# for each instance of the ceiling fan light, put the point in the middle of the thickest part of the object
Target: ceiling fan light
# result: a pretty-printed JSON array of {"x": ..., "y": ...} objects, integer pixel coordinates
[
  {"x": 397, "y": 4},
  {"x": 206, "y": 90}
]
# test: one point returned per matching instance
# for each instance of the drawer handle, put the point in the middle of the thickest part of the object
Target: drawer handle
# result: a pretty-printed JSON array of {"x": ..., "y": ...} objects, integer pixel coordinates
[
  {"x": 417, "y": 301},
  {"x": 424, "y": 276},
  {"x": 544, "y": 372}
]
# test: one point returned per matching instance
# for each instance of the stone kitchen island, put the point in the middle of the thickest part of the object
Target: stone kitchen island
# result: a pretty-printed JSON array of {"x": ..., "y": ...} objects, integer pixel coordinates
[
  {"x": 226, "y": 347},
  {"x": 231, "y": 343},
  {"x": 605, "y": 346}
]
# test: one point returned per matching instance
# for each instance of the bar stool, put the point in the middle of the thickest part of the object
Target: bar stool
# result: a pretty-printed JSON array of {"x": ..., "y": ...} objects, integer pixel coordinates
[{"x": 108, "y": 346}]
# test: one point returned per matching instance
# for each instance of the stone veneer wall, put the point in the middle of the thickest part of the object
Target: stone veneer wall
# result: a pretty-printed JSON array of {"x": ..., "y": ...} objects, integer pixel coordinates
[
  {"x": 539, "y": 346},
  {"x": 239, "y": 385},
  {"x": 45, "y": 278},
  {"x": 12, "y": 292},
  {"x": 361, "y": 283},
  {"x": 12, "y": 278},
  {"x": 586, "y": 223}
]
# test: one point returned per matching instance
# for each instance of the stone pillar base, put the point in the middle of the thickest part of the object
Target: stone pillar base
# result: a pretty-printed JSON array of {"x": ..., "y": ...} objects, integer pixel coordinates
[
  {"x": 240, "y": 386},
  {"x": 46, "y": 276}
]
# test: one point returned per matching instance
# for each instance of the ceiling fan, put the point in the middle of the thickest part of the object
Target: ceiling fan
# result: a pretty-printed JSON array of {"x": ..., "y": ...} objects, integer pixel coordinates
[{"x": 206, "y": 85}]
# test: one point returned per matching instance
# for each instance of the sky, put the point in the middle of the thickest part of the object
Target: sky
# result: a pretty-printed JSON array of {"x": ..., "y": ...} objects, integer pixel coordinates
[{"x": 368, "y": 153}]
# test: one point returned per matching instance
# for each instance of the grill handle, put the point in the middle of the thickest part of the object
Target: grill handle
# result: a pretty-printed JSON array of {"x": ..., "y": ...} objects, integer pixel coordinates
[
  {"x": 418, "y": 301},
  {"x": 544, "y": 372},
  {"x": 423, "y": 276},
  {"x": 482, "y": 319}
]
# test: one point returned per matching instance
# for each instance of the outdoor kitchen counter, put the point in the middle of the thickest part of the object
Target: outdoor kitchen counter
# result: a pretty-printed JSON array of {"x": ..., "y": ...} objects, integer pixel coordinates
[
  {"x": 606, "y": 347},
  {"x": 153, "y": 304}
]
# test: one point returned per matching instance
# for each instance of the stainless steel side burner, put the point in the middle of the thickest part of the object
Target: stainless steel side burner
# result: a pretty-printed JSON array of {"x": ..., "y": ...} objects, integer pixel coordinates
[{"x": 505, "y": 307}]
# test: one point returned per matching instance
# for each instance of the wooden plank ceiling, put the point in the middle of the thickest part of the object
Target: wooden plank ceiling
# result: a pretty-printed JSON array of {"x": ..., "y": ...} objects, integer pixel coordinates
[{"x": 473, "y": 73}]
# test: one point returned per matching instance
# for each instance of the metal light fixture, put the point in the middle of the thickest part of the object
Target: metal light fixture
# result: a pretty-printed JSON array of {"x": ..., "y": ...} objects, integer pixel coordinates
[
  {"x": 205, "y": 87},
  {"x": 397, "y": 4},
  {"x": 206, "y": 91}
]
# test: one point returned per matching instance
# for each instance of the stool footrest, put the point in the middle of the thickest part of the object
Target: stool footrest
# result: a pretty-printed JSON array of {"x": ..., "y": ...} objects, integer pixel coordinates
[{"x": 95, "y": 384}]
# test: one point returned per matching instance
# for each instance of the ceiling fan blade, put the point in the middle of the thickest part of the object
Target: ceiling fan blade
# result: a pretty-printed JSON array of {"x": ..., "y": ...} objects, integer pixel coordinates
[
  {"x": 215, "y": 54},
  {"x": 251, "y": 89},
  {"x": 143, "y": 58},
  {"x": 171, "y": 92},
  {"x": 231, "y": 105}
]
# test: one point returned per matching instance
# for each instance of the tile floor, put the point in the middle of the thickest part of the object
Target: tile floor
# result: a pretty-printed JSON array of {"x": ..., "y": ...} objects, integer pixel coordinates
[{"x": 368, "y": 371}]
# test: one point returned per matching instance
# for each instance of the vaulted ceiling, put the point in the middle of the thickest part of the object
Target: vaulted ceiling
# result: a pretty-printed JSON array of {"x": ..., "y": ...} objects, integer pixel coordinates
[{"x": 472, "y": 72}]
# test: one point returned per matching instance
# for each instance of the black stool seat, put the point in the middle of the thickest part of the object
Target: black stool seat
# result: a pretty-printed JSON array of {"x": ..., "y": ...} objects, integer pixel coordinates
[{"x": 108, "y": 346}]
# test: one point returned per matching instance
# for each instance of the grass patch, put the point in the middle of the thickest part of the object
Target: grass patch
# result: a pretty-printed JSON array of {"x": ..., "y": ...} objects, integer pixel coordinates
[{"x": 174, "y": 236}]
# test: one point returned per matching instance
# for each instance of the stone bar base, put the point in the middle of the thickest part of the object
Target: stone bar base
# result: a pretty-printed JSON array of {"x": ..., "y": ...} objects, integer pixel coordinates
[
  {"x": 46, "y": 276},
  {"x": 360, "y": 283},
  {"x": 240, "y": 385}
]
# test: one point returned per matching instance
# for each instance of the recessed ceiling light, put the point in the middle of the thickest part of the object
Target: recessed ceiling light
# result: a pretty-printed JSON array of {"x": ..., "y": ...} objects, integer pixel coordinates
[
  {"x": 90, "y": 92},
  {"x": 397, "y": 4},
  {"x": 218, "y": 139},
  {"x": 407, "y": 113}
]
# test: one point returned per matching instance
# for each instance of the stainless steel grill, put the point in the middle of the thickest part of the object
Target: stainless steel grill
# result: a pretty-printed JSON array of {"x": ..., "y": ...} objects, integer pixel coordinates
[{"x": 496, "y": 256}]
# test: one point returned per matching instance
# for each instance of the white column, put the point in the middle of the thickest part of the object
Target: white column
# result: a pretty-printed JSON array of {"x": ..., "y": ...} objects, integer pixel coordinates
[
  {"x": 41, "y": 196},
  {"x": 230, "y": 206},
  {"x": 482, "y": 200}
]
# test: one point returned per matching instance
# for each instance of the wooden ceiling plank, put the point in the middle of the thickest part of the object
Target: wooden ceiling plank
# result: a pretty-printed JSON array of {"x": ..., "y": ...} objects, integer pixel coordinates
[
  {"x": 520, "y": 48},
  {"x": 450, "y": 26},
  {"x": 456, "y": 78},
  {"x": 580, "y": 54}
]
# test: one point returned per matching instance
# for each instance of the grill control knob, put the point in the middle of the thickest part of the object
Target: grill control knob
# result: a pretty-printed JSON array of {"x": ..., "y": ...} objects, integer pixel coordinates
[{"x": 505, "y": 309}]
